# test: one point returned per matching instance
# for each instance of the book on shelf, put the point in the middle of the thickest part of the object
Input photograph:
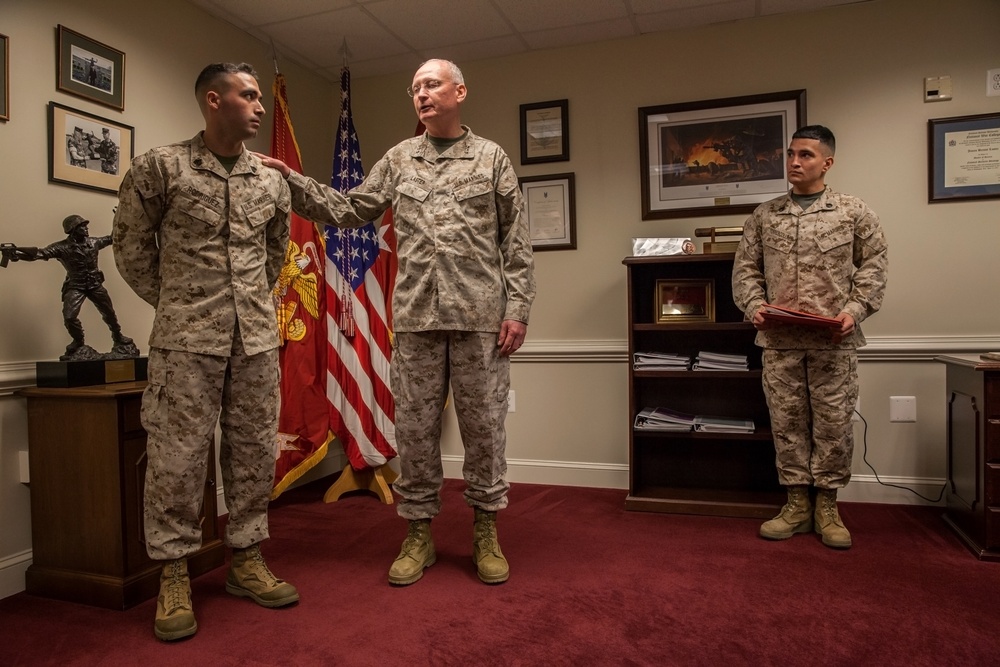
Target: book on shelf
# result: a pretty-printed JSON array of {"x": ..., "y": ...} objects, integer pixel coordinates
[
  {"x": 663, "y": 419},
  {"x": 707, "y": 424},
  {"x": 789, "y": 316},
  {"x": 717, "y": 361},
  {"x": 660, "y": 361}
]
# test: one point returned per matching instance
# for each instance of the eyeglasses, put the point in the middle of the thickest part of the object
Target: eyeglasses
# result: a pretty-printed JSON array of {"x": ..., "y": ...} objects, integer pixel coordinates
[{"x": 429, "y": 86}]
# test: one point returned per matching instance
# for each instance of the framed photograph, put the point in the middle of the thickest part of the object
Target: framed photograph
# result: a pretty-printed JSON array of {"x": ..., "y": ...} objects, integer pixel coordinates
[
  {"x": 4, "y": 78},
  {"x": 718, "y": 156},
  {"x": 88, "y": 151},
  {"x": 91, "y": 70},
  {"x": 550, "y": 206},
  {"x": 684, "y": 300},
  {"x": 545, "y": 132},
  {"x": 963, "y": 158}
]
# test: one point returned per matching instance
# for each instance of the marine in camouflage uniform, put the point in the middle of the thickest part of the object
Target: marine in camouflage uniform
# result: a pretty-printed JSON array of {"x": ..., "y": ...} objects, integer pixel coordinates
[
  {"x": 825, "y": 254},
  {"x": 202, "y": 239},
  {"x": 108, "y": 151},
  {"x": 464, "y": 286}
]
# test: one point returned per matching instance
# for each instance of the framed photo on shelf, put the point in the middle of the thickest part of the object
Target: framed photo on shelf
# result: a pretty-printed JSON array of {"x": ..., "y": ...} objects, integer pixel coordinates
[
  {"x": 550, "y": 207},
  {"x": 545, "y": 132},
  {"x": 4, "y": 77},
  {"x": 91, "y": 70},
  {"x": 717, "y": 156},
  {"x": 88, "y": 151},
  {"x": 963, "y": 158},
  {"x": 684, "y": 300}
]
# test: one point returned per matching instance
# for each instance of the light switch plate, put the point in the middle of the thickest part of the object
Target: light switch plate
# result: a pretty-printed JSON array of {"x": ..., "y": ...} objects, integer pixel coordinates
[{"x": 937, "y": 88}]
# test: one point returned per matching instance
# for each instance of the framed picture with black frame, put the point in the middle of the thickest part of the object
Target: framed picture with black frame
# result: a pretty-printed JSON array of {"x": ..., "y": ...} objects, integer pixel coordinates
[
  {"x": 963, "y": 155},
  {"x": 550, "y": 208},
  {"x": 89, "y": 69},
  {"x": 545, "y": 132},
  {"x": 716, "y": 157},
  {"x": 88, "y": 151},
  {"x": 4, "y": 78}
]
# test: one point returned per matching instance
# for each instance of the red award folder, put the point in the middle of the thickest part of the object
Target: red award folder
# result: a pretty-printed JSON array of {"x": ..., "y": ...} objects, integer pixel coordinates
[{"x": 789, "y": 316}]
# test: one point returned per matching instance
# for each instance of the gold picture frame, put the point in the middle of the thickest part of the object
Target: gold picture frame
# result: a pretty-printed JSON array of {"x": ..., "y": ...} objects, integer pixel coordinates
[{"x": 684, "y": 300}]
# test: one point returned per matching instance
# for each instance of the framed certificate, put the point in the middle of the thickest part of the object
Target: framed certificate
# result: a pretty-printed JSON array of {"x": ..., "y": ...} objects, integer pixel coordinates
[
  {"x": 550, "y": 207},
  {"x": 963, "y": 157},
  {"x": 545, "y": 132}
]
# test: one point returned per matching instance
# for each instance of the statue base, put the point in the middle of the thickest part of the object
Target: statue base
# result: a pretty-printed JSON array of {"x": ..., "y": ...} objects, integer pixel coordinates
[{"x": 89, "y": 372}]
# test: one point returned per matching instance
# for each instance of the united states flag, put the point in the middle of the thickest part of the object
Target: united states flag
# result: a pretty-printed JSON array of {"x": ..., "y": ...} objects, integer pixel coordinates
[{"x": 360, "y": 270}]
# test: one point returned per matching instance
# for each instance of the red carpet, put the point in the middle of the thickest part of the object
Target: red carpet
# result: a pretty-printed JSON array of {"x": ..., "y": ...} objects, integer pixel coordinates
[{"x": 590, "y": 584}]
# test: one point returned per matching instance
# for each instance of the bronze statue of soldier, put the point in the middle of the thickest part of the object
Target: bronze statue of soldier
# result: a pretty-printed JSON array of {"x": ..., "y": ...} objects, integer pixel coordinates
[{"x": 84, "y": 280}]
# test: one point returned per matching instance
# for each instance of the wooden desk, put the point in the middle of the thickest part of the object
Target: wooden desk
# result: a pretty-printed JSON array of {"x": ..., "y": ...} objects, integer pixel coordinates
[
  {"x": 87, "y": 462},
  {"x": 973, "y": 491}
]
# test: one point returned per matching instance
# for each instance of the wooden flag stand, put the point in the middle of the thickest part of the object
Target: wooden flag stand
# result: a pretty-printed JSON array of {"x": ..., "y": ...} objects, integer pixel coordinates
[{"x": 375, "y": 480}]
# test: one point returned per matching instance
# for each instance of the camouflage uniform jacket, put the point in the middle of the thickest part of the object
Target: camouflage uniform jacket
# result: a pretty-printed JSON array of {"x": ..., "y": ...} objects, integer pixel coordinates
[
  {"x": 203, "y": 247},
  {"x": 465, "y": 261},
  {"x": 829, "y": 259}
]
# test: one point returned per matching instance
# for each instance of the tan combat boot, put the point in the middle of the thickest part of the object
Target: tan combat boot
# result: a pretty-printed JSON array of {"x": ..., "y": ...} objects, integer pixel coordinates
[
  {"x": 491, "y": 566},
  {"x": 416, "y": 554},
  {"x": 250, "y": 577},
  {"x": 795, "y": 517},
  {"x": 828, "y": 523},
  {"x": 174, "y": 613}
]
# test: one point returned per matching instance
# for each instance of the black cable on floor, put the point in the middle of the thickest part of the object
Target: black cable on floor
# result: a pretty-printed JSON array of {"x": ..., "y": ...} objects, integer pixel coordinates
[{"x": 864, "y": 456}]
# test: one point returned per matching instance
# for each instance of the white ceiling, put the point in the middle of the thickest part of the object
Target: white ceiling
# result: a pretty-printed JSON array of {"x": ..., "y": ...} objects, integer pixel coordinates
[{"x": 387, "y": 36}]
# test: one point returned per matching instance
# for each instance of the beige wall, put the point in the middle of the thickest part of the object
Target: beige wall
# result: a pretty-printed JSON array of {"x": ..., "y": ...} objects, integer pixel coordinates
[{"x": 863, "y": 67}]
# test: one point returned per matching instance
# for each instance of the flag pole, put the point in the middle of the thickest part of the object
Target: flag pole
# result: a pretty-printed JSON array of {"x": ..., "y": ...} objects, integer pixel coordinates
[
  {"x": 345, "y": 52},
  {"x": 274, "y": 58}
]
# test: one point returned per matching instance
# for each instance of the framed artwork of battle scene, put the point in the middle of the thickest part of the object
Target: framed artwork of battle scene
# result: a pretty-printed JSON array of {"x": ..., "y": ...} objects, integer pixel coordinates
[{"x": 716, "y": 157}]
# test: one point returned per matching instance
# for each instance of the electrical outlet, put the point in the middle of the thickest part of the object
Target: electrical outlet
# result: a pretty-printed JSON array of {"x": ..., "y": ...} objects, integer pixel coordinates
[
  {"x": 510, "y": 400},
  {"x": 993, "y": 83},
  {"x": 902, "y": 408}
]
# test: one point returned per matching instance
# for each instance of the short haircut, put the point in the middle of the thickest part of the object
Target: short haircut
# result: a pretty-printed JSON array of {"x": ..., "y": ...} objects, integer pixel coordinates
[
  {"x": 456, "y": 74},
  {"x": 820, "y": 133},
  {"x": 216, "y": 71}
]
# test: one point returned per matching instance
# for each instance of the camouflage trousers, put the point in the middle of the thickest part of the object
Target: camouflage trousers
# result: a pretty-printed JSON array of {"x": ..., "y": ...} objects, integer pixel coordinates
[
  {"x": 186, "y": 396},
  {"x": 811, "y": 396},
  {"x": 422, "y": 365}
]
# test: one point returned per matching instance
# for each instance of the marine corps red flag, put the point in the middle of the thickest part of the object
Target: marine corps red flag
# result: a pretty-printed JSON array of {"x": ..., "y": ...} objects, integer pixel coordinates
[
  {"x": 360, "y": 272},
  {"x": 300, "y": 301}
]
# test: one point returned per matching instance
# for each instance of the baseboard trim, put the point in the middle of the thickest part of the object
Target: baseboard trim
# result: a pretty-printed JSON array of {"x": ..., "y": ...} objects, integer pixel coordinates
[
  {"x": 12, "y": 569},
  {"x": 862, "y": 489}
]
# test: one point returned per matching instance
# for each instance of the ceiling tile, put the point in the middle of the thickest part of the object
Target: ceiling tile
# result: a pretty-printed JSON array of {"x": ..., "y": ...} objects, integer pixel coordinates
[
  {"x": 321, "y": 37},
  {"x": 696, "y": 16},
  {"x": 579, "y": 34},
  {"x": 263, "y": 12},
  {"x": 430, "y": 24},
  {"x": 533, "y": 16}
]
